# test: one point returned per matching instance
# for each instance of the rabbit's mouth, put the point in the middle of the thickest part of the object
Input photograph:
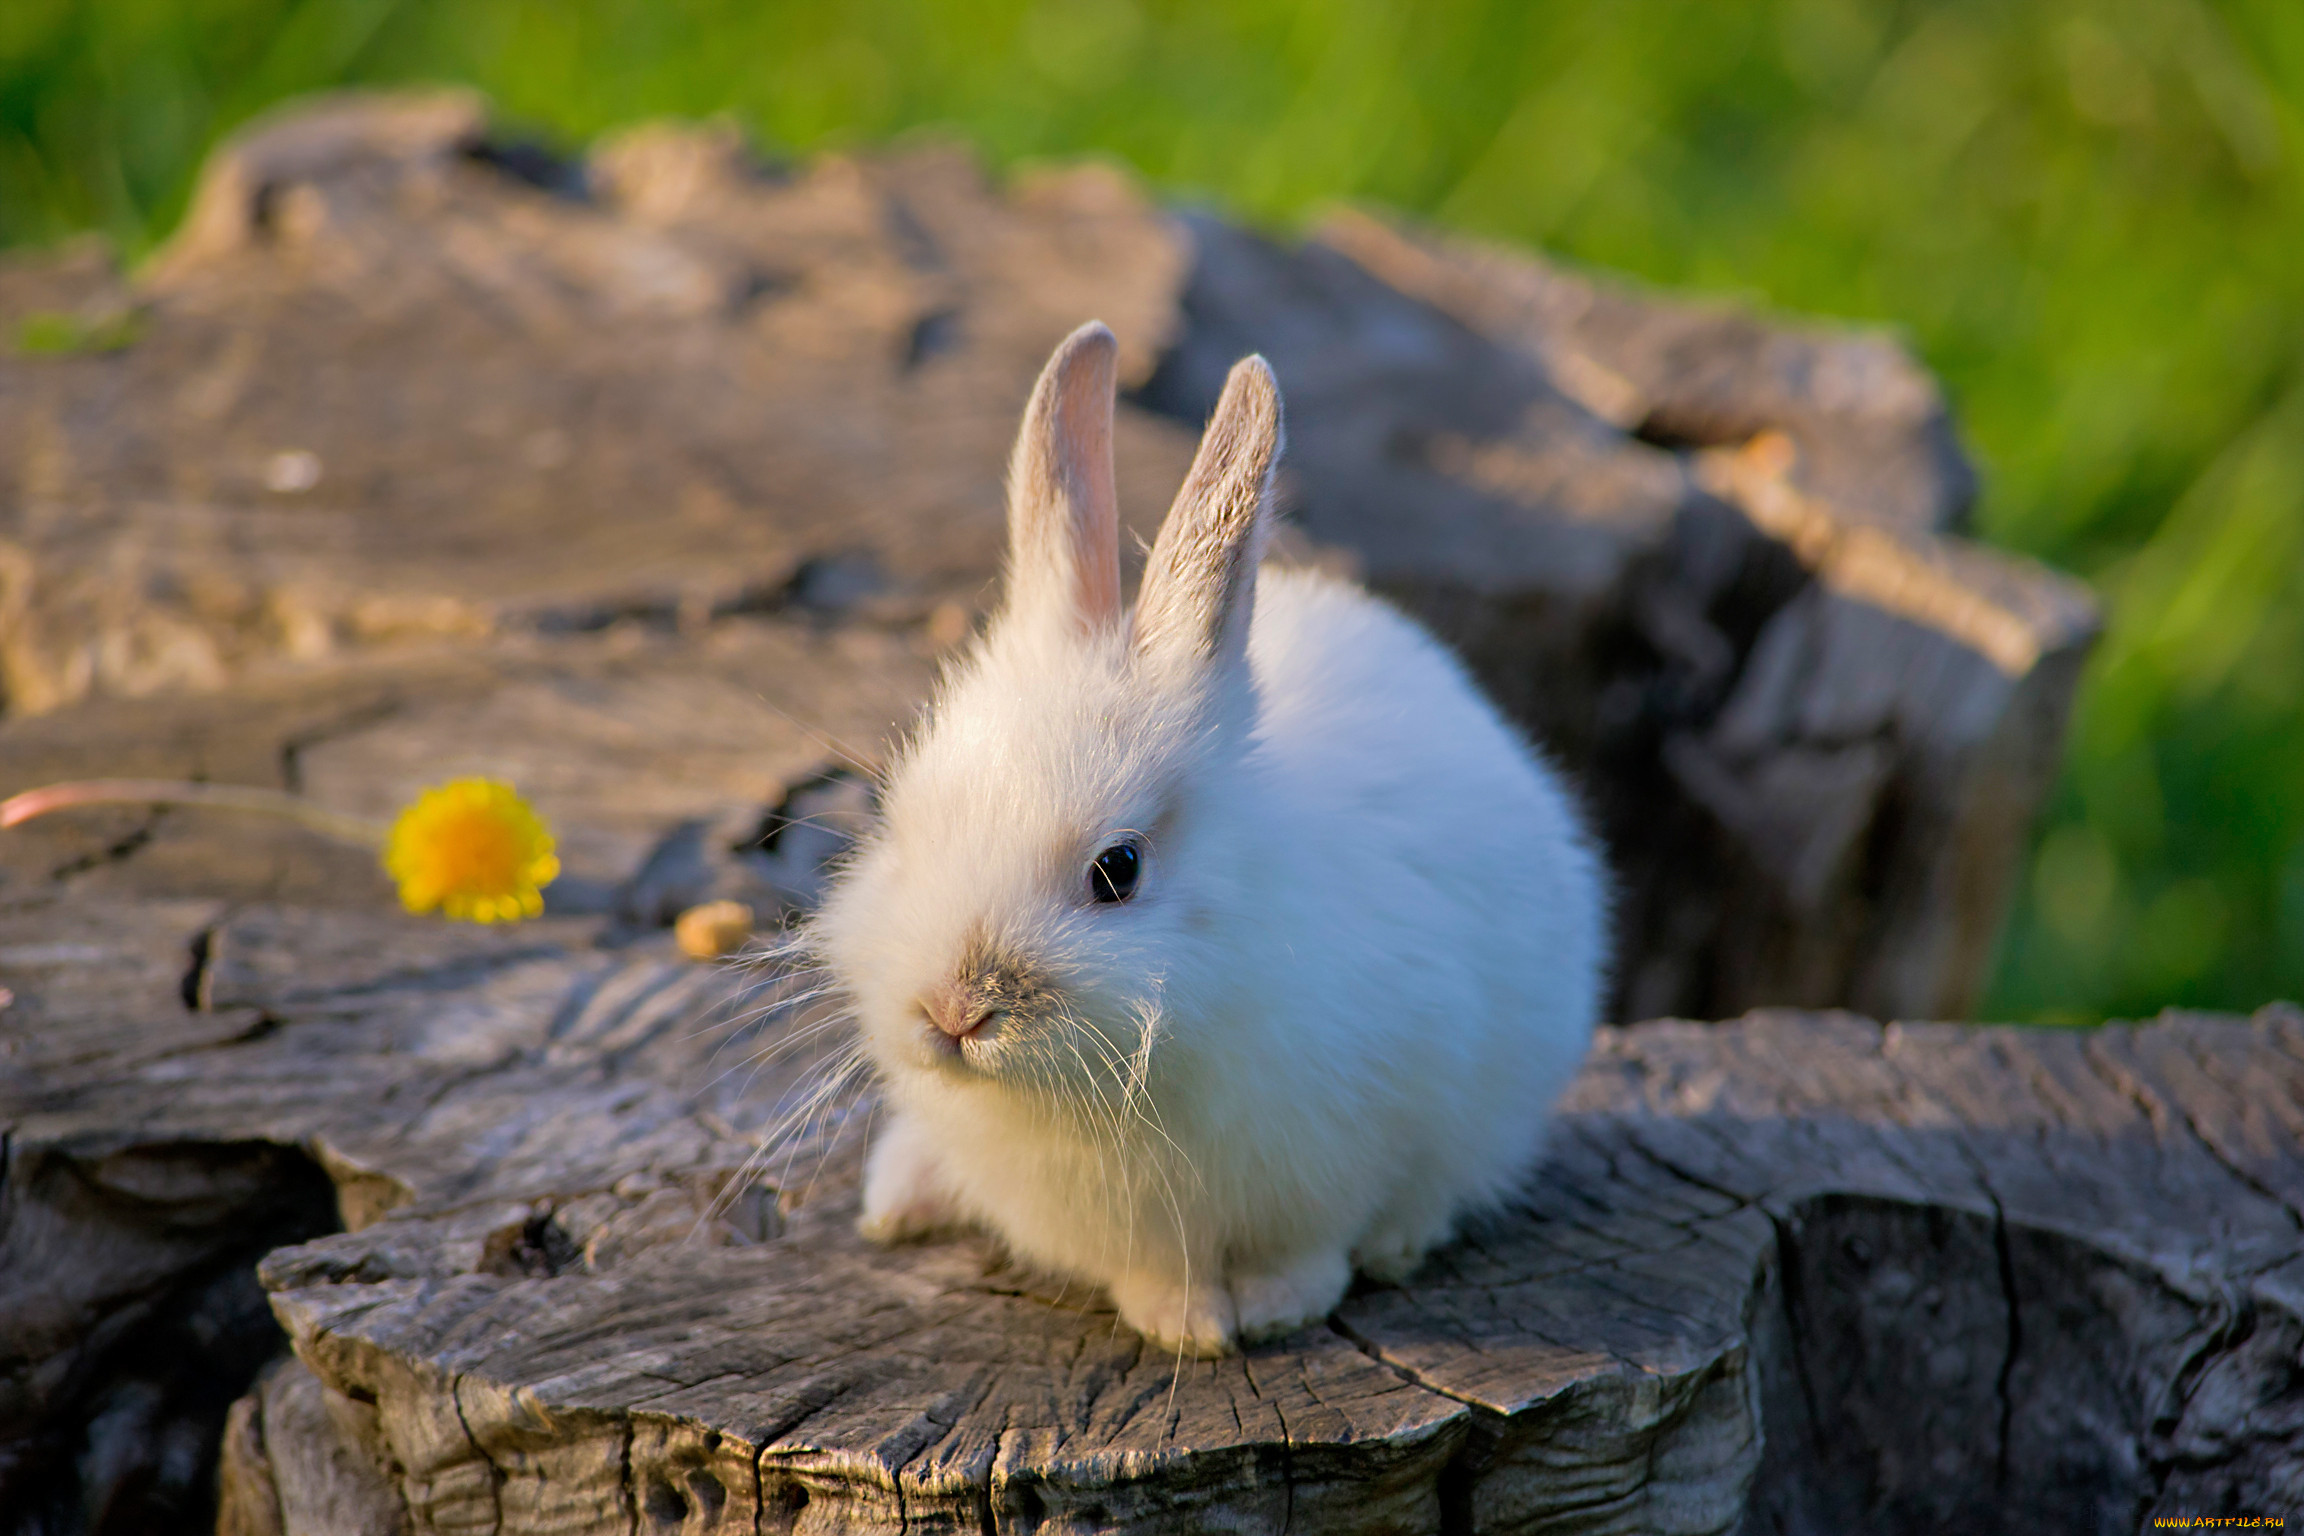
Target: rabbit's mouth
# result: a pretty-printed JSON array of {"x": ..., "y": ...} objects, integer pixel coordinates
[
  {"x": 970, "y": 1019},
  {"x": 959, "y": 1011},
  {"x": 978, "y": 1038}
]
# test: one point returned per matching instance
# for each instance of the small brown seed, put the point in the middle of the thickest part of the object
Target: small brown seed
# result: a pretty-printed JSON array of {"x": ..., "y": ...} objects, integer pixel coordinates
[
  {"x": 948, "y": 625},
  {"x": 715, "y": 929}
]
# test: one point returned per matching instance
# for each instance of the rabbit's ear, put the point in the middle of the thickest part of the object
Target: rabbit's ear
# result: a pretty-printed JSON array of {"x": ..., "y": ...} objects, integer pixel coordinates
[
  {"x": 1063, "y": 513},
  {"x": 1200, "y": 584}
]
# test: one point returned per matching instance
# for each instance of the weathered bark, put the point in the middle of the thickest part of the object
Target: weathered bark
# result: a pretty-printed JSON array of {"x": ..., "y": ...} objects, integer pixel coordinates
[
  {"x": 396, "y": 384},
  {"x": 383, "y": 390},
  {"x": 1798, "y": 1272},
  {"x": 294, "y": 1464}
]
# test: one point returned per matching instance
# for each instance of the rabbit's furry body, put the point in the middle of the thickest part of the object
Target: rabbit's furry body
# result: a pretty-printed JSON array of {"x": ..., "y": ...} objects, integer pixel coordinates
[{"x": 1360, "y": 963}]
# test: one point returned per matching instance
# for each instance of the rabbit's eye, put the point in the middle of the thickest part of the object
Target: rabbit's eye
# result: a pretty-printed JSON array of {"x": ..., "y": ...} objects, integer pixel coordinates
[{"x": 1112, "y": 874}]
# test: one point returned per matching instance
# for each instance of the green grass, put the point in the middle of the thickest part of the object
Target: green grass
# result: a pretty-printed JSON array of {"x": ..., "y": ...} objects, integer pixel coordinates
[{"x": 2089, "y": 218}]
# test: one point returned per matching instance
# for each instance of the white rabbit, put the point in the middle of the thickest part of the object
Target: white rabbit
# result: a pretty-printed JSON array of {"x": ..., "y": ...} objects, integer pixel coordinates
[{"x": 1212, "y": 950}]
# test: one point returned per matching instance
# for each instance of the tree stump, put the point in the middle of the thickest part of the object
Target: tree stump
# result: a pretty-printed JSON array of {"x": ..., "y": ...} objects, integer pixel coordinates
[
  {"x": 658, "y": 482},
  {"x": 397, "y": 383},
  {"x": 1799, "y": 1272}
]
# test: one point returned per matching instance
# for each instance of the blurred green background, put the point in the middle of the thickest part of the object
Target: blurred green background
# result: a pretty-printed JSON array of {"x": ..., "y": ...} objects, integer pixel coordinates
[{"x": 2088, "y": 217}]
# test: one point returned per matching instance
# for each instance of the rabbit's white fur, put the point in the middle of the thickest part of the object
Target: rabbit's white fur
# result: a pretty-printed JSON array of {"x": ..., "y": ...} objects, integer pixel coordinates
[{"x": 1361, "y": 963}]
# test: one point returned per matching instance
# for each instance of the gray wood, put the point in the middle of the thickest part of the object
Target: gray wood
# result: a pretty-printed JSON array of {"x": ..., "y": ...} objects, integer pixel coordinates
[
  {"x": 665, "y": 388},
  {"x": 670, "y": 384},
  {"x": 1797, "y": 1272},
  {"x": 1875, "y": 439},
  {"x": 1711, "y": 563},
  {"x": 293, "y": 1464}
]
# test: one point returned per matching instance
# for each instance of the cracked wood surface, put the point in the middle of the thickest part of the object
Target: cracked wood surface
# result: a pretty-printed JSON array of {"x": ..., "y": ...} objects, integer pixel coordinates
[
  {"x": 621, "y": 739},
  {"x": 1798, "y": 1272},
  {"x": 400, "y": 385},
  {"x": 384, "y": 390}
]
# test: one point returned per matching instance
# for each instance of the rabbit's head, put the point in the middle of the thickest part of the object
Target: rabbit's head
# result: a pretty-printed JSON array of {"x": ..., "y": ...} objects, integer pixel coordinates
[{"x": 1055, "y": 880}]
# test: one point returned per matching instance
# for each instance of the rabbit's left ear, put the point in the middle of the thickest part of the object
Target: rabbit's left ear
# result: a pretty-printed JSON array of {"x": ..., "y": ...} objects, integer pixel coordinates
[
  {"x": 1063, "y": 511},
  {"x": 1200, "y": 583}
]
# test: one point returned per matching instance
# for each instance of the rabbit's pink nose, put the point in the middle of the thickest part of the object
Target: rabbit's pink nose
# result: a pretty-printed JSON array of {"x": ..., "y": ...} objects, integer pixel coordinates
[{"x": 957, "y": 1011}]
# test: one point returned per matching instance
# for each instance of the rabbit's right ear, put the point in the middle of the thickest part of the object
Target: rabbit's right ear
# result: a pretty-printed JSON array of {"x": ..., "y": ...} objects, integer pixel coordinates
[{"x": 1063, "y": 509}]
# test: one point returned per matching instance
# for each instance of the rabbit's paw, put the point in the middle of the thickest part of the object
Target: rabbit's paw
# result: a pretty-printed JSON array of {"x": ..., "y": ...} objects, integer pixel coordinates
[
  {"x": 1389, "y": 1258},
  {"x": 1198, "y": 1318},
  {"x": 905, "y": 1223},
  {"x": 1394, "y": 1247},
  {"x": 1387, "y": 1263},
  {"x": 1284, "y": 1300},
  {"x": 904, "y": 1195}
]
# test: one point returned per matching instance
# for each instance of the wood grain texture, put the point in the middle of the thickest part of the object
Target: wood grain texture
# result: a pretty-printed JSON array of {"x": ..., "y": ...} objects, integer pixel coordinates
[
  {"x": 1799, "y": 1272},
  {"x": 393, "y": 383},
  {"x": 399, "y": 385}
]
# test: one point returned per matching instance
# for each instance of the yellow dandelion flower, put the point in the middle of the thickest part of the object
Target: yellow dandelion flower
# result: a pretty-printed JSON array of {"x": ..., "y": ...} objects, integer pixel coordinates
[{"x": 471, "y": 849}]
